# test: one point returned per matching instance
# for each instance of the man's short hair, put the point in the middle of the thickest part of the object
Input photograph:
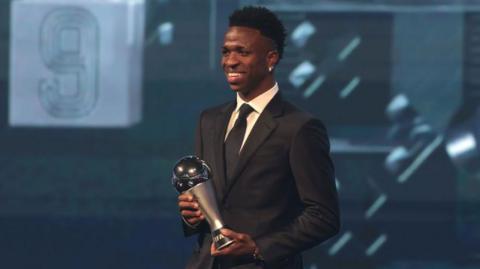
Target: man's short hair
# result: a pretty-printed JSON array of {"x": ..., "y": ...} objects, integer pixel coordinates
[{"x": 263, "y": 20}]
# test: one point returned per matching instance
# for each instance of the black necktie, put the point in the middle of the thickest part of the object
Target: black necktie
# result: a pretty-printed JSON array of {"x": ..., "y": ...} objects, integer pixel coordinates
[{"x": 235, "y": 139}]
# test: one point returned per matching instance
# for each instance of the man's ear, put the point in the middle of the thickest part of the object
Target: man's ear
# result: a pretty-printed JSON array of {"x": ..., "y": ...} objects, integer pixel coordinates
[{"x": 272, "y": 58}]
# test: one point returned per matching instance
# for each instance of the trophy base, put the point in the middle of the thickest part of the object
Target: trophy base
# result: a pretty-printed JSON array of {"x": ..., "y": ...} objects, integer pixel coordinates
[{"x": 220, "y": 240}]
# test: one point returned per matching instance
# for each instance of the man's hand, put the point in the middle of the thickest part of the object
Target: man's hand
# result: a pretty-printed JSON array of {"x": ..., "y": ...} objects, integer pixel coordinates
[
  {"x": 243, "y": 245},
  {"x": 189, "y": 209}
]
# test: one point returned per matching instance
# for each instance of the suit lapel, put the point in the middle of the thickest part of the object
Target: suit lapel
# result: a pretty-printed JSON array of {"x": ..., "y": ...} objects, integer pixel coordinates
[
  {"x": 262, "y": 129},
  {"x": 221, "y": 124}
]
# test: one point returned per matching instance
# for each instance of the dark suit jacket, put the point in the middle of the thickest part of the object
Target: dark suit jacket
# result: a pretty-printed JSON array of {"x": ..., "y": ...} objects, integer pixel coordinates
[{"x": 283, "y": 191}]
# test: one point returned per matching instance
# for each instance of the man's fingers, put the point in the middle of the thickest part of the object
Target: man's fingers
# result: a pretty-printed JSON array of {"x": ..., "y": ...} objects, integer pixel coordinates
[
  {"x": 224, "y": 251},
  {"x": 229, "y": 233},
  {"x": 190, "y": 213},
  {"x": 242, "y": 237},
  {"x": 242, "y": 244},
  {"x": 213, "y": 250},
  {"x": 186, "y": 197},
  {"x": 193, "y": 221},
  {"x": 192, "y": 205}
]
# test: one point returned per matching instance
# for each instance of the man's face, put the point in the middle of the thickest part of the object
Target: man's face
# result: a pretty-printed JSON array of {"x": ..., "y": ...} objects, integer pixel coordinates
[{"x": 246, "y": 56}]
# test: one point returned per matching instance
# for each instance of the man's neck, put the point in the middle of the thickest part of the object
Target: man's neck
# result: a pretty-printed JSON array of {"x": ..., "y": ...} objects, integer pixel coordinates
[{"x": 255, "y": 93}]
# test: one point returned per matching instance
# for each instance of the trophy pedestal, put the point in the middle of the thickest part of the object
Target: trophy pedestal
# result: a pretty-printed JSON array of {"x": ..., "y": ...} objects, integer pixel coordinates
[
  {"x": 205, "y": 196},
  {"x": 220, "y": 240}
]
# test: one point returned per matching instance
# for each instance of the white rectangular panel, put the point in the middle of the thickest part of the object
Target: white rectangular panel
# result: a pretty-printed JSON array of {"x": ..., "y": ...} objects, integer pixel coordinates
[{"x": 76, "y": 63}]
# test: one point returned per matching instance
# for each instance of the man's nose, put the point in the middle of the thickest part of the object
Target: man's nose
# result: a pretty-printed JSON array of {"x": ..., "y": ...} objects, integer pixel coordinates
[{"x": 230, "y": 60}]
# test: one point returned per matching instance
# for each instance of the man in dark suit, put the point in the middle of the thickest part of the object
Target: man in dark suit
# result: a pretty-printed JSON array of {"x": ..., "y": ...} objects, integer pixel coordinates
[{"x": 273, "y": 176}]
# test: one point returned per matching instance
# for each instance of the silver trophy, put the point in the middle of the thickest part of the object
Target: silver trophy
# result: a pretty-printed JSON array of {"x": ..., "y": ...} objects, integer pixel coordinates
[{"x": 192, "y": 175}]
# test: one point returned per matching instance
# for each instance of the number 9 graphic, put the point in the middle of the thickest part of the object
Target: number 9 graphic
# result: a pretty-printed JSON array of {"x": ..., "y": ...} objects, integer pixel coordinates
[{"x": 69, "y": 47}]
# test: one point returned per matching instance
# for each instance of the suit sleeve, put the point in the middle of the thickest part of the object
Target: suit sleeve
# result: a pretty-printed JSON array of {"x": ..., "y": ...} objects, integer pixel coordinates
[
  {"x": 189, "y": 230},
  {"x": 314, "y": 176}
]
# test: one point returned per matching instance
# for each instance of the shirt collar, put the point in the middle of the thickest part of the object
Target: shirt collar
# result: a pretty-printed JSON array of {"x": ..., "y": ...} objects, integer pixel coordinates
[{"x": 260, "y": 102}]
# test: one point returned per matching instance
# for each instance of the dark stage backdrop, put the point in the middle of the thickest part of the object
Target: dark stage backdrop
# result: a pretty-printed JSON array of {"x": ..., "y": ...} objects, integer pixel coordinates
[{"x": 85, "y": 179}]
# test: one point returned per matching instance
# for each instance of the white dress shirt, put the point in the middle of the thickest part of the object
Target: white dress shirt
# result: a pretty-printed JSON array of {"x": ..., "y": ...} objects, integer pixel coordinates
[{"x": 258, "y": 104}]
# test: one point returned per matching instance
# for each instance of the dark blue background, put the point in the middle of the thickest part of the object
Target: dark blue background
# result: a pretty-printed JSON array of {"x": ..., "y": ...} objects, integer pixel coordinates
[{"x": 101, "y": 198}]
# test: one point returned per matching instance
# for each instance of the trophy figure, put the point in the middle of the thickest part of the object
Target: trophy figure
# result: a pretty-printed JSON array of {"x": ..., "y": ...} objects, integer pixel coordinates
[{"x": 192, "y": 175}]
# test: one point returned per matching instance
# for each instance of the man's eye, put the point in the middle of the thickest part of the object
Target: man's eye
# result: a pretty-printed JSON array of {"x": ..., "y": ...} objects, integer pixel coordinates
[
  {"x": 244, "y": 53},
  {"x": 225, "y": 52}
]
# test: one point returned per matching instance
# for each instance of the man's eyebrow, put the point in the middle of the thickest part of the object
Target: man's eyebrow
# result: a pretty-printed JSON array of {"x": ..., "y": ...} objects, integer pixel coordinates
[{"x": 234, "y": 47}]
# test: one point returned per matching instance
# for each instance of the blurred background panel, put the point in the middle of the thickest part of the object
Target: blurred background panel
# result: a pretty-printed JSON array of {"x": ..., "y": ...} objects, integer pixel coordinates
[{"x": 111, "y": 92}]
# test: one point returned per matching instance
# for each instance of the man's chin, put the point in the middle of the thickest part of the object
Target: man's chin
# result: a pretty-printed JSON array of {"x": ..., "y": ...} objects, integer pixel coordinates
[
  {"x": 235, "y": 87},
  {"x": 240, "y": 89}
]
